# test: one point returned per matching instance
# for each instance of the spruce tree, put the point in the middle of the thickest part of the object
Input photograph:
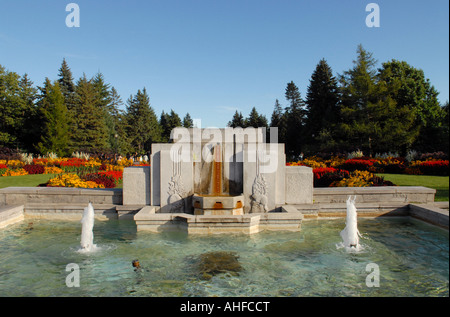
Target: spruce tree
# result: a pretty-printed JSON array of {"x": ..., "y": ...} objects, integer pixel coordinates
[
  {"x": 187, "y": 121},
  {"x": 67, "y": 85},
  {"x": 164, "y": 123},
  {"x": 54, "y": 121},
  {"x": 143, "y": 126},
  {"x": 174, "y": 120},
  {"x": 360, "y": 104},
  {"x": 90, "y": 131},
  {"x": 279, "y": 120},
  {"x": 256, "y": 120},
  {"x": 295, "y": 113},
  {"x": 322, "y": 104},
  {"x": 29, "y": 134},
  {"x": 117, "y": 126},
  {"x": 237, "y": 121}
]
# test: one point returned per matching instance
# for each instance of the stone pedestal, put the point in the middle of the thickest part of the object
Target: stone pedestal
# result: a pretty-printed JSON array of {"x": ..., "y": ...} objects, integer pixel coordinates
[{"x": 218, "y": 205}]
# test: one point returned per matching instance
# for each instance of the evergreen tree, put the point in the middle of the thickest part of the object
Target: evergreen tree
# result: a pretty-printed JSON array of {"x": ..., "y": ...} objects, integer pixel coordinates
[
  {"x": 187, "y": 121},
  {"x": 104, "y": 102},
  {"x": 90, "y": 131},
  {"x": 54, "y": 121},
  {"x": 295, "y": 115},
  {"x": 256, "y": 120},
  {"x": 30, "y": 132},
  {"x": 174, "y": 120},
  {"x": 103, "y": 92},
  {"x": 67, "y": 85},
  {"x": 279, "y": 120},
  {"x": 167, "y": 122},
  {"x": 237, "y": 121},
  {"x": 164, "y": 123},
  {"x": 143, "y": 127},
  {"x": 360, "y": 103},
  {"x": 116, "y": 123},
  {"x": 322, "y": 109},
  {"x": 15, "y": 107}
]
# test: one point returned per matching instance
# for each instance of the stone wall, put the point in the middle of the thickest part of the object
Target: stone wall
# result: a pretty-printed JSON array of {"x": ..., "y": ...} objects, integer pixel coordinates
[{"x": 59, "y": 195}]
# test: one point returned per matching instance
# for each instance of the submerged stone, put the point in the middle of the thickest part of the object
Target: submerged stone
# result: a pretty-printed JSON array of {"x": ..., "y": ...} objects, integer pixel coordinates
[{"x": 217, "y": 262}]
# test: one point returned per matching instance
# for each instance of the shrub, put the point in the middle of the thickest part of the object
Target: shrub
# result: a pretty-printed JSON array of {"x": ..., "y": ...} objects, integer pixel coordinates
[
  {"x": 380, "y": 181},
  {"x": 9, "y": 154},
  {"x": 413, "y": 171}
]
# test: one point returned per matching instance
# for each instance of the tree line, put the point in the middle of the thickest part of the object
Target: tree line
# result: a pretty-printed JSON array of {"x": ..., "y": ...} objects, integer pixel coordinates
[
  {"x": 393, "y": 108},
  {"x": 64, "y": 116}
]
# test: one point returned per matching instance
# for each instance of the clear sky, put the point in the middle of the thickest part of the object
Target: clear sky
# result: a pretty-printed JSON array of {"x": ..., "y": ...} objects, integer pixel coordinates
[{"x": 213, "y": 57}]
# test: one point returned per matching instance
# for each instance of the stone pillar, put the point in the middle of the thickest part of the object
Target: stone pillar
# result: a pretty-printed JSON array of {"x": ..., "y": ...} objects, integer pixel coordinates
[
  {"x": 299, "y": 185},
  {"x": 176, "y": 184},
  {"x": 136, "y": 185},
  {"x": 263, "y": 171}
]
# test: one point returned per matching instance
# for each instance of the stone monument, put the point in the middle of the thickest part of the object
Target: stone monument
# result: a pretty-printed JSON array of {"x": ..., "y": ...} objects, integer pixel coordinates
[{"x": 218, "y": 180}]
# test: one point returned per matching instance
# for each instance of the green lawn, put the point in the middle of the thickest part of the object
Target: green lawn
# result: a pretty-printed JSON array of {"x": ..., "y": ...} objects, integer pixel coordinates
[
  {"x": 440, "y": 183},
  {"x": 25, "y": 180}
]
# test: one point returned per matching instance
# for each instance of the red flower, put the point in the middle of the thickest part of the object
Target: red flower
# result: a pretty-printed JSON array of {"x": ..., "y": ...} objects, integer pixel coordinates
[{"x": 34, "y": 169}]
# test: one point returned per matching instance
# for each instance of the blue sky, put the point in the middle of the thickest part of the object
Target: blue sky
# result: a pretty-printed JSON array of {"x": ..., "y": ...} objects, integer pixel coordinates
[{"x": 213, "y": 57}]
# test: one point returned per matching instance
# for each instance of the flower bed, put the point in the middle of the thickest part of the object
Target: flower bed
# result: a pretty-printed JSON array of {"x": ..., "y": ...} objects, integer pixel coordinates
[
  {"x": 72, "y": 172},
  {"x": 438, "y": 167},
  {"x": 72, "y": 180},
  {"x": 361, "y": 171},
  {"x": 324, "y": 177},
  {"x": 34, "y": 169}
]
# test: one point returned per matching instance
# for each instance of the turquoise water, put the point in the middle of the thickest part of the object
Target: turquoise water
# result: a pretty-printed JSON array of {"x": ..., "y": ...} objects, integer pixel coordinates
[{"x": 412, "y": 257}]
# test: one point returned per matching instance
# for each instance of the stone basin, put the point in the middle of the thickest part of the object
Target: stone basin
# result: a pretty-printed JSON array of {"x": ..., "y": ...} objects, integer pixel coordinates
[{"x": 221, "y": 204}]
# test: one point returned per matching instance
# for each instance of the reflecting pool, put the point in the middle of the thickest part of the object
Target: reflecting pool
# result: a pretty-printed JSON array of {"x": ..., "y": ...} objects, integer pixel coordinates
[{"x": 412, "y": 258}]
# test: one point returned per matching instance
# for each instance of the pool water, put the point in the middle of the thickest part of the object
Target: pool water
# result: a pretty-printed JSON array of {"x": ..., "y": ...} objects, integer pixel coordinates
[{"x": 412, "y": 258}]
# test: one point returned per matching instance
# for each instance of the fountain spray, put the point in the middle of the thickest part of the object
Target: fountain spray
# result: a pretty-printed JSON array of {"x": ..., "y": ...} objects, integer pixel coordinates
[
  {"x": 350, "y": 234},
  {"x": 87, "y": 234}
]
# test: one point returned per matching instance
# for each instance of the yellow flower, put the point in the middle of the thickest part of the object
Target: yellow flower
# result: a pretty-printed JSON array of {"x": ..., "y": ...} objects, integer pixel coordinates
[
  {"x": 53, "y": 170},
  {"x": 15, "y": 172},
  {"x": 15, "y": 163},
  {"x": 72, "y": 180},
  {"x": 124, "y": 162},
  {"x": 93, "y": 163}
]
